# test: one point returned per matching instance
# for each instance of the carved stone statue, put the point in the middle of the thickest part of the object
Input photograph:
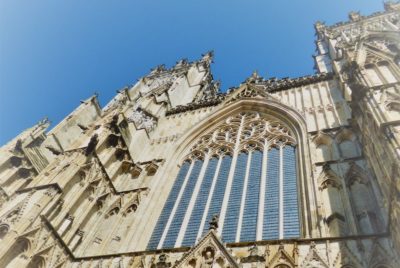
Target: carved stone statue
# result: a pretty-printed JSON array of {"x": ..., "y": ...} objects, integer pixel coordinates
[
  {"x": 208, "y": 257},
  {"x": 214, "y": 222},
  {"x": 142, "y": 120},
  {"x": 162, "y": 261}
]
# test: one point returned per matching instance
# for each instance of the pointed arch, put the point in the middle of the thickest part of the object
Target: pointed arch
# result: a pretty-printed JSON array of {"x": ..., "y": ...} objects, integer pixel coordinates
[
  {"x": 209, "y": 247},
  {"x": 274, "y": 110},
  {"x": 325, "y": 147},
  {"x": 4, "y": 229},
  {"x": 13, "y": 257},
  {"x": 362, "y": 46},
  {"x": 282, "y": 259},
  {"x": 379, "y": 257},
  {"x": 348, "y": 145},
  {"x": 286, "y": 114},
  {"x": 356, "y": 173},
  {"x": 131, "y": 205},
  {"x": 37, "y": 262},
  {"x": 328, "y": 177},
  {"x": 346, "y": 258},
  {"x": 363, "y": 200},
  {"x": 114, "y": 208},
  {"x": 330, "y": 186},
  {"x": 378, "y": 56},
  {"x": 313, "y": 259}
]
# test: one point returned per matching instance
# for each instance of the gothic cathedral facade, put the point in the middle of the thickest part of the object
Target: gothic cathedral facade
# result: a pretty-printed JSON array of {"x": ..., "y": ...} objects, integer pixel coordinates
[{"x": 293, "y": 172}]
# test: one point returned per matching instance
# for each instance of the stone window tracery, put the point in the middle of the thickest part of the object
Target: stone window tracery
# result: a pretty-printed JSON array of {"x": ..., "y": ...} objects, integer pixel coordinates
[
  {"x": 380, "y": 72},
  {"x": 332, "y": 196},
  {"x": 364, "y": 204},
  {"x": 324, "y": 148},
  {"x": 142, "y": 120},
  {"x": 243, "y": 170}
]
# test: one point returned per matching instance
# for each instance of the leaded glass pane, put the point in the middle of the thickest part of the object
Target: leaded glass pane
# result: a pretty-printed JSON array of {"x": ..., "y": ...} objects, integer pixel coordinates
[
  {"x": 232, "y": 213},
  {"x": 169, "y": 204},
  {"x": 183, "y": 204},
  {"x": 291, "y": 226},
  {"x": 219, "y": 190},
  {"x": 271, "y": 204},
  {"x": 249, "y": 223},
  {"x": 201, "y": 200}
]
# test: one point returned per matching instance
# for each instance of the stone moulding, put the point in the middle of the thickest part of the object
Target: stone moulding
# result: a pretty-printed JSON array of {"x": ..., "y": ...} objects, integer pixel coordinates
[
  {"x": 271, "y": 85},
  {"x": 194, "y": 106}
]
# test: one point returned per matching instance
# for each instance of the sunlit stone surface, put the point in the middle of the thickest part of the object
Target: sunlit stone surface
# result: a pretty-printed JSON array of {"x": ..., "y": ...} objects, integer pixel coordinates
[{"x": 300, "y": 172}]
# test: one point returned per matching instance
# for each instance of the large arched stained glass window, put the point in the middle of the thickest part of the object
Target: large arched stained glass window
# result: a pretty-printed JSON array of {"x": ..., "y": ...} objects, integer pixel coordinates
[{"x": 245, "y": 172}]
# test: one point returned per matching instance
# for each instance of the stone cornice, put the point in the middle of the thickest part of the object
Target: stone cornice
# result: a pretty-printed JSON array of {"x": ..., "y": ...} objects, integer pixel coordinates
[
  {"x": 196, "y": 105},
  {"x": 390, "y": 8},
  {"x": 274, "y": 85},
  {"x": 363, "y": 18},
  {"x": 188, "y": 249},
  {"x": 271, "y": 85},
  {"x": 181, "y": 67}
]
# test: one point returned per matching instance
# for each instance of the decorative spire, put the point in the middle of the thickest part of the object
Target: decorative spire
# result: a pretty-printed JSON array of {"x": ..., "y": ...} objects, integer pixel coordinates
[
  {"x": 319, "y": 27},
  {"x": 159, "y": 69},
  {"x": 182, "y": 63},
  {"x": 253, "y": 250},
  {"x": 254, "y": 78},
  {"x": 392, "y": 5},
  {"x": 355, "y": 16},
  {"x": 208, "y": 57},
  {"x": 44, "y": 121}
]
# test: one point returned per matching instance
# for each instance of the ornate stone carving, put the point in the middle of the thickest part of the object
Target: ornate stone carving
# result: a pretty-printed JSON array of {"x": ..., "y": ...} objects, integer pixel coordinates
[
  {"x": 254, "y": 256},
  {"x": 384, "y": 45},
  {"x": 282, "y": 259},
  {"x": 313, "y": 259},
  {"x": 256, "y": 131},
  {"x": 196, "y": 105},
  {"x": 151, "y": 168},
  {"x": 210, "y": 90},
  {"x": 118, "y": 102},
  {"x": 208, "y": 252},
  {"x": 349, "y": 72},
  {"x": 142, "y": 120},
  {"x": 162, "y": 262}
]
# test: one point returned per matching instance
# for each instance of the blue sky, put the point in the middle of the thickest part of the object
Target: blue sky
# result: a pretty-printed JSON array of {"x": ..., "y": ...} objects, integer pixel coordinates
[{"x": 55, "y": 53}]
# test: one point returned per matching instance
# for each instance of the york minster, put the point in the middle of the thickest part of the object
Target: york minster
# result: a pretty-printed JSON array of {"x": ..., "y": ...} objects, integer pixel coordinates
[{"x": 173, "y": 172}]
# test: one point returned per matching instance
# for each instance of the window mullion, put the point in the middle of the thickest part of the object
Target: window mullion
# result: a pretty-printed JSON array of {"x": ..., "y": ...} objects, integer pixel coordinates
[{"x": 261, "y": 201}]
